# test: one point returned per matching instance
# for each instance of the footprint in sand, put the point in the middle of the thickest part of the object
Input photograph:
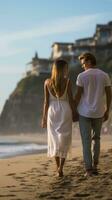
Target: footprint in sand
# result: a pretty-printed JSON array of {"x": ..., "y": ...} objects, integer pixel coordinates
[
  {"x": 82, "y": 195},
  {"x": 19, "y": 177},
  {"x": 7, "y": 195},
  {"x": 11, "y": 174},
  {"x": 9, "y": 186},
  {"x": 109, "y": 151},
  {"x": 56, "y": 197},
  {"x": 22, "y": 184},
  {"x": 98, "y": 196},
  {"x": 16, "y": 199}
]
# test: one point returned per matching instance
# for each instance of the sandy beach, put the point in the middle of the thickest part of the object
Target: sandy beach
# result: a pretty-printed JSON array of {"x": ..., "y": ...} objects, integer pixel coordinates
[{"x": 33, "y": 177}]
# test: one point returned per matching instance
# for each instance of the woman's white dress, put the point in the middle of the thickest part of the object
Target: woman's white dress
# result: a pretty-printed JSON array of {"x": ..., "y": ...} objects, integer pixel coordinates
[{"x": 59, "y": 125}]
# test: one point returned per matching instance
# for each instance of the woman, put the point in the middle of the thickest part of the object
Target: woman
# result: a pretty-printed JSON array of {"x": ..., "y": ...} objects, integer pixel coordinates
[{"x": 58, "y": 112}]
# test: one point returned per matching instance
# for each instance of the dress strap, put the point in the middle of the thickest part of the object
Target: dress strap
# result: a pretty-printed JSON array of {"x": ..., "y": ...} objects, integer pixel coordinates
[
  {"x": 66, "y": 85},
  {"x": 56, "y": 96}
]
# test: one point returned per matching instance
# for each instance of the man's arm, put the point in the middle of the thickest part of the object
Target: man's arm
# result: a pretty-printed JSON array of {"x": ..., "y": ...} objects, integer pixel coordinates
[
  {"x": 78, "y": 95},
  {"x": 108, "y": 101}
]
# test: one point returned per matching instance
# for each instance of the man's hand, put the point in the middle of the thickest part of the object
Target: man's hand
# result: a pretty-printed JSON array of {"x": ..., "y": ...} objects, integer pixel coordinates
[
  {"x": 106, "y": 116},
  {"x": 75, "y": 116}
]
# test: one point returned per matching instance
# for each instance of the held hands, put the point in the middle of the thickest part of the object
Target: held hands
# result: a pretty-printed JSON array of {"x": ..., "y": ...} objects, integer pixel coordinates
[{"x": 75, "y": 116}]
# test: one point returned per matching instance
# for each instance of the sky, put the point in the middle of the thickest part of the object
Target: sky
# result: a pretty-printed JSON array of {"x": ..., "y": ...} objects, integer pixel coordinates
[{"x": 34, "y": 25}]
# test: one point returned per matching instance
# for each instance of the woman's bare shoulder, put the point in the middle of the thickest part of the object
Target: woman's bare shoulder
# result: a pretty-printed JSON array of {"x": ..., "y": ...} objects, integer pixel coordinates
[{"x": 47, "y": 81}]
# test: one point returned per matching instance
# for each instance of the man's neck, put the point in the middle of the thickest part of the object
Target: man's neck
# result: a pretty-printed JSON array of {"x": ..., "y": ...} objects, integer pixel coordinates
[{"x": 90, "y": 67}]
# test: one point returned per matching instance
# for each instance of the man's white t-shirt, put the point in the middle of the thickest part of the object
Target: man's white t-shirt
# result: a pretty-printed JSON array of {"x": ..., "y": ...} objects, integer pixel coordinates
[{"x": 92, "y": 103}]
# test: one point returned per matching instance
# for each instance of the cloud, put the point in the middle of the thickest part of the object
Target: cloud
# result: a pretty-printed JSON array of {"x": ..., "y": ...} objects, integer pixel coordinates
[
  {"x": 59, "y": 26},
  {"x": 52, "y": 27}
]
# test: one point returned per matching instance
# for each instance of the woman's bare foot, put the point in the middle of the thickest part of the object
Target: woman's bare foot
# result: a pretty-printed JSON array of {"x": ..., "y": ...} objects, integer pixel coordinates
[
  {"x": 60, "y": 172},
  {"x": 57, "y": 159}
]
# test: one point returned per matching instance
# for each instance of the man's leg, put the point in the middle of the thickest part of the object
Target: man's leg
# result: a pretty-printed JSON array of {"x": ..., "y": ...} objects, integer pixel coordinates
[
  {"x": 85, "y": 130},
  {"x": 96, "y": 125}
]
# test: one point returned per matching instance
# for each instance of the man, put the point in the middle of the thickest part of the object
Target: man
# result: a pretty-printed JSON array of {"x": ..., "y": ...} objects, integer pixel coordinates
[{"x": 92, "y": 86}]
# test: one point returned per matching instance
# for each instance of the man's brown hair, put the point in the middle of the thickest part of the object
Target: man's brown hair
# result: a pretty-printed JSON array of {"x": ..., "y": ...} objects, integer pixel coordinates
[{"x": 88, "y": 57}]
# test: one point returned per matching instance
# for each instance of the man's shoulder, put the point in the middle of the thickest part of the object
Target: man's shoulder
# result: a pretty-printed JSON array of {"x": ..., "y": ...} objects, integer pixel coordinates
[
  {"x": 101, "y": 72},
  {"x": 93, "y": 71},
  {"x": 83, "y": 74}
]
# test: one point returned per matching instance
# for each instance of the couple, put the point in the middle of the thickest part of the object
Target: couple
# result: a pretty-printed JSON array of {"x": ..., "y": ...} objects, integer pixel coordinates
[{"x": 60, "y": 110}]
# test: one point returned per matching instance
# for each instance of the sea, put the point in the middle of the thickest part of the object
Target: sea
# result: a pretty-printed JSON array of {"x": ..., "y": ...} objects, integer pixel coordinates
[{"x": 12, "y": 148}]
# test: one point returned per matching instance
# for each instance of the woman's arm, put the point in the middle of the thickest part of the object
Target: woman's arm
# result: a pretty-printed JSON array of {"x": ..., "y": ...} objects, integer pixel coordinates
[
  {"x": 46, "y": 105},
  {"x": 70, "y": 97}
]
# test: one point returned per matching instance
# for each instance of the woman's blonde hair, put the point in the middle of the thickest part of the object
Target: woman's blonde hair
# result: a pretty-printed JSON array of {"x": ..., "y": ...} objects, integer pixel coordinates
[{"x": 58, "y": 74}]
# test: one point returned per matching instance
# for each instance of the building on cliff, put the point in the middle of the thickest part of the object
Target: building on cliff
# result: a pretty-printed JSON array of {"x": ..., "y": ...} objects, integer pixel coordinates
[
  {"x": 38, "y": 66},
  {"x": 65, "y": 51},
  {"x": 102, "y": 36},
  {"x": 70, "y": 51}
]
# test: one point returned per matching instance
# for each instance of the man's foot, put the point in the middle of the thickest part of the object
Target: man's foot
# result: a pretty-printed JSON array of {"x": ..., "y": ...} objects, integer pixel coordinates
[
  {"x": 95, "y": 171},
  {"x": 88, "y": 173}
]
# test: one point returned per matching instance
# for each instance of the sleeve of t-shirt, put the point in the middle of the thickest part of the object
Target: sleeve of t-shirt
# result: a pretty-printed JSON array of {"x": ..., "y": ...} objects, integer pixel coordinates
[
  {"x": 107, "y": 81},
  {"x": 79, "y": 81}
]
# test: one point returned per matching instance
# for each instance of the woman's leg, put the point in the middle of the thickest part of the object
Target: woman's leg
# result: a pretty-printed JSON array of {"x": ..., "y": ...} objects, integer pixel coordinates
[
  {"x": 60, "y": 170},
  {"x": 57, "y": 159}
]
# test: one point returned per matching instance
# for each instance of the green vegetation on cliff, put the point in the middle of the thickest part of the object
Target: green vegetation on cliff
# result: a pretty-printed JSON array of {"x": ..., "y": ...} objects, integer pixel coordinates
[
  {"x": 30, "y": 85},
  {"x": 27, "y": 85}
]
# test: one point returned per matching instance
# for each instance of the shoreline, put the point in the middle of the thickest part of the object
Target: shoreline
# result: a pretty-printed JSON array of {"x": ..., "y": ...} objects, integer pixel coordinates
[
  {"x": 24, "y": 154},
  {"x": 14, "y": 145},
  {"x": 41, "y": 139}
]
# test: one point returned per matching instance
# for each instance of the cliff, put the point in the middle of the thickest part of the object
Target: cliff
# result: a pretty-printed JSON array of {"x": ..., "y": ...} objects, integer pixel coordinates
[{"x": 24, "y": 106}]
